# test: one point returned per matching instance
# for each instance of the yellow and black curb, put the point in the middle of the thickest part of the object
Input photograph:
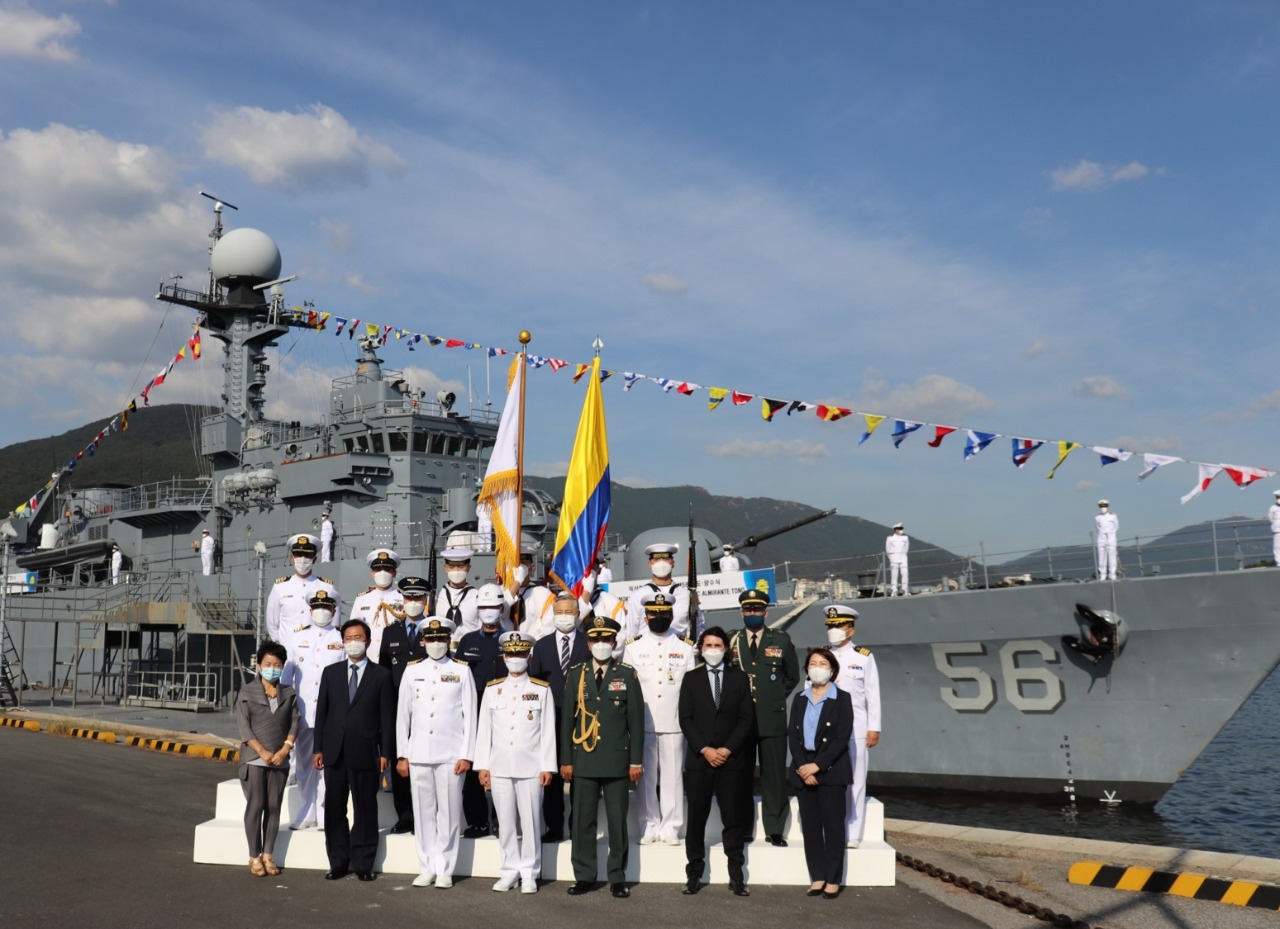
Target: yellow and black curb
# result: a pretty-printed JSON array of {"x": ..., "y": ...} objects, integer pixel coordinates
[
  {"x": 1180, "y": 884},
  {"x": 14, "y": 723},
  {"x": 95, "y": 735},
  {"x": 185, "y": 748}
]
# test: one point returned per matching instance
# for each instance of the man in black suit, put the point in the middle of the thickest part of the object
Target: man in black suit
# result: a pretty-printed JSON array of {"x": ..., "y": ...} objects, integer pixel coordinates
[
  {"x": 717, "y": 717},
  {"x": 401, "y": 645},
  {"x": 552, "y": 657},
  {"x": 354, "y": 737}
]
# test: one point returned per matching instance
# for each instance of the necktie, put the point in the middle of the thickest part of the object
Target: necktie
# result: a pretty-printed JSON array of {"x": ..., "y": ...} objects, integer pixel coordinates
[
  {"x": 599, "y": 679},
  {"x": 715, "y": 687},
  {"x": 754, "y": 643},
  {"x": 411, "y": 629},
  {"x": 351, "y": 685},
  {"x": 564, "y": 655}
]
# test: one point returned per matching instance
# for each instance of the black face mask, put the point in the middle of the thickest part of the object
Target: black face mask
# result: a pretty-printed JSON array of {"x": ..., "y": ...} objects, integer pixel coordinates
[{"x": 659, "y": 624}]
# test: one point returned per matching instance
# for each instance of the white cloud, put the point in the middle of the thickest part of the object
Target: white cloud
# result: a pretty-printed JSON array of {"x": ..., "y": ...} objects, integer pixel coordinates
[
  {"x": 1104, "y": 386},
  {"x": 25, "y": 33},
  {"x": 314, "y": 148},
  {"x": 805, "y": 453},
  {"x": 665, "y": 283},
  {"x": 1266, "y": 404},
  {"x": 1090, "y": 175},
  {"x": 357, "y": 283},
  {"x": 1087, "y": 485},
  {"x": 1038, "y": 347},
  {"x": 932, "y": 396}
]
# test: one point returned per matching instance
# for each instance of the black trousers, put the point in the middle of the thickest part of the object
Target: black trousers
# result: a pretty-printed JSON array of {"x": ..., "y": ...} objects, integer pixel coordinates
[
  {"x": 553, "y": 795},
  {"x": 401, "y": 797},
  {"x": 822, "y": 812},
  {"x": 351, "y": 846},
  {"x": 775, "y": 800},
  {"x": 586, "y": 813},
  {"x": 732, "y": 793},
  {"x": 475, "y": 801}
]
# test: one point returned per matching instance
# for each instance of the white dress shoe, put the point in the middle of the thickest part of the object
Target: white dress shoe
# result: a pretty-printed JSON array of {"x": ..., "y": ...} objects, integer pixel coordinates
[
  {"x": 529, "y": 886},
  {"x": 852, "y": 843},
  {"x": 424, "y": 880},
  {"x": 672, "y": 840},
  {"x": 648, "y": 838},
  {"x": 305, "y": 824},
  {"x": 506, "y": 883},
  {"x": 444, "y": 882}
]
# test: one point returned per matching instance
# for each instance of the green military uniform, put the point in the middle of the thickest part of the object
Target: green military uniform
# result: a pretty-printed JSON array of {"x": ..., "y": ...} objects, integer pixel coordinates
[
  {"x": 602, "y": 736},
  {"x": 774, "y": 671}
]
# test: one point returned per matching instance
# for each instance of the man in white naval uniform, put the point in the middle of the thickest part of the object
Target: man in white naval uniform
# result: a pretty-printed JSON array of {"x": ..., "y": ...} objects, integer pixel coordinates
[
  {"x": 436, "y": 739},
  {"x": 313, "y": 644},
  {"x": 326, "y": 538},
  {"x": 729, "y": 560},
  {"x": 117, "y": 562},
  {"x": 288, "y": 604},
  {"x": 456, "y": 600},
  {"x": 206, "y": 553},
  {"x": 660, "y": 659},
  {"x": 1273, "y": 514},
  {"x": 661, "y": 563},
  {"x": 515, "y": 755},
  {"x": 861, "y": 681},
  {"x": 530, "y": 603},
  {"x": 382, "y": 604},
  {"x": 896, "y": 547},
  {"x": 1108, "y": 525}
]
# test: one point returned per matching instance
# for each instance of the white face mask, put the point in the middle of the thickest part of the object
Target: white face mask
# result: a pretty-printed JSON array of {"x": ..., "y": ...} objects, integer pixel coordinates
[
  {"x": 437, "y": 649},
  {"x": 321, "y": 618},
  {"x": 457, "y": 576},
  {"x": 355, "y": 649},
  {"x": 414, "y": 608},
  {"x": 383, "y": 579},
  {"x": 302, "y": 566},
  {"x": 521, "y": 574},
  {"x": 565, "y": 622},
  {"x": 713, "y": 656},
  {"x": 589, "y": 584},
  {"x": 602, "y": 651},
  {"x": 661, "y": 569},
  {"x": 517, "y": 665},
  {"x": 819, "y": 675},
  {"x": 836, "y": 635},
  {"x": 489, "y": 616}
]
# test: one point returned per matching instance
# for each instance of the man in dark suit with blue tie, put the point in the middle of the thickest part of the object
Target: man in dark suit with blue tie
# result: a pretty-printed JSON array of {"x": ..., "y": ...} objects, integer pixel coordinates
[
  {"x": 354, "y": 740},
  {"x": 552, "y": 657},
  {"x": 717, "y": 717}
]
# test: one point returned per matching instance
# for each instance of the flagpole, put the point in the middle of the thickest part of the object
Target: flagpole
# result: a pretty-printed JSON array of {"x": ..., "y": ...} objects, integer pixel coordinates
[{"x": 525, "y": 338}]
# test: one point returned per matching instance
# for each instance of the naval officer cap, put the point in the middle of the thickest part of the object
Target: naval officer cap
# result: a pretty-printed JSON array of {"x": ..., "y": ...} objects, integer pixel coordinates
[
  {"x": 602, "y": 627},
  {"x": 437, "y": 627},
  {"x": 898, "y": 526},
  {"x": 302, "y": 544},
  {"x": 753, "y": 598},
  {"x": 322, "y": 600},
  {"x": 414, "y": 587},
  {"x": 382, "y": 558},
  {"x": 515, "y": 643},
  {"x": 662, "y": 549},
  {"x": 527, "y": 551},
  {"x": 458, "y": 555},
  {"x": 840, "y": 615},
  {"x": 1103, "y": 503},
  {"x": 656, "y": 604}
]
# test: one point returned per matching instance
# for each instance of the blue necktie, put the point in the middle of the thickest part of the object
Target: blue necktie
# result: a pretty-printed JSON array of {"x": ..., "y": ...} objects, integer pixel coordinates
[{"x": 351, "y": 686}]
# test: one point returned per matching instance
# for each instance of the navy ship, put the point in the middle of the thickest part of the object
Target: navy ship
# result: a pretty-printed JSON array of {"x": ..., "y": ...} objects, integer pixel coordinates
[{"x": 1101, "y": 691}]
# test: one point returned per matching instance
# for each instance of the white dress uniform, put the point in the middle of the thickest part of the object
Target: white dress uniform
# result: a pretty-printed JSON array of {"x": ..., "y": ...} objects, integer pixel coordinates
[
  {"x": 660, "y": 663},
  {"x": 311, "y": 649},
  {"x": 1274, "y": 515},
  {"x": 288, "y": 604},
  {"x": 461, "y": 600},
  {"x": 1108, "y": 525},
  {"x": 679, "y": 614},
  {"x": 326, "y": 540},
  {"x": 861, "y": 681},
  {"x": 729, "y": 563},
  {"x": 896, "y": 547},
  {"x": 206, "y": 554},
  {"x": 379, "y": 608},
  {"x": 435, "y": 728},
  {"x": 117, "y": 562},
  {"x": 539, "y": 619},
  {"x": 515, "y": 743},
  {"x": 604, "y": 575}
]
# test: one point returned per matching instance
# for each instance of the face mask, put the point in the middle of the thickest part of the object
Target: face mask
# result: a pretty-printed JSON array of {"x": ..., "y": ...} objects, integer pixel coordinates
[
  {"x": 355, "y": 649},
  {"x": 601, "y": 651},
  {"x": 819, "y": 675},
  {"x": 753, "y": 620},
  {"x": 565, "y": 622},
  {"x": 661, "y": 569},
  {"x": 271, "y": 675},
  {"x": 302, "y": 566},
  {"x": 589, "y": 584},
  {"x": 489, "y": 616},
  {"x": 835, "y": 635},
  {"x": 713, "y": 656},
  {"x": 414, "y": 608},
  {"x": 322, "y": 618},
  {"x": 383, "y": 579},
  {"x": 437, "y": 649},
  {"x": 517, "y": 665},
  {"x": 659, "y": 624},
  {"x": 457, "y": 577},
  {"x": 521, "y": 574}
]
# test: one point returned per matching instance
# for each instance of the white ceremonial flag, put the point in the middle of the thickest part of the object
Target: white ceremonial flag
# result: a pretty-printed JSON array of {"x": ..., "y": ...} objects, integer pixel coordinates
[{"x": 499, "y": 502}]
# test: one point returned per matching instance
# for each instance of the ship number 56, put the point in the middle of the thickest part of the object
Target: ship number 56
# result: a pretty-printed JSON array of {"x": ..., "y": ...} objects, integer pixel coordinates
[{"x": 1030, "y": 688}]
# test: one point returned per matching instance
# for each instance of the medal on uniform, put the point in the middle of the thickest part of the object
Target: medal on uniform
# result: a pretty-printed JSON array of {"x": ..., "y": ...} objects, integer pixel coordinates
[{"x": 530, "y": 715}]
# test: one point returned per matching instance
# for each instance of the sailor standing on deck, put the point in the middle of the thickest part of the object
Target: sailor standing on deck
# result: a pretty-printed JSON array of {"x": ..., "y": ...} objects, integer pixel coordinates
[
  {"x": 662, "y": 560},
  {"x": 382, "y": 604},
  {"x": 206, "y": 553},
  {"x": 729, "y": 560},
  {"x": 861, "y": 681},
  {"x": 117, "y": 562},
  {"x": 288, "y": 604},
  {"x": 456, "y": 600},
  {"x": 326, "y": 538},
  {"x": 1108, "y": 526},
  {"x": 895, "y": 547},
  {"x": 1274, "y": 515}
]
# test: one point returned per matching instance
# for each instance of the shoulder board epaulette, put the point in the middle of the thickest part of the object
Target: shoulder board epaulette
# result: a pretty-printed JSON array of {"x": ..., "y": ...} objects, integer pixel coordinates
[
  {"x": 324, "y": 580},
  {"x": 634, "y": 638},
  {"x": 415, "y": 661},
  {"x": 301, "y": 627},
  {"x": 539, "y": 681},
  {"x": 623, "y": 664},
  {"x": 281, "y": 580},
  {"x": 459, "y": 661},
  {"x": 687, "y": 641},
  {"x": 496, "y": 680},
  {"x": 862, "y": 650}
]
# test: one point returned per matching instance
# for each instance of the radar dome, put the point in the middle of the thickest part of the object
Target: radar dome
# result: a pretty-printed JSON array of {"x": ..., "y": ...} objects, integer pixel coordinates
[{"x": 245, "y": 254}]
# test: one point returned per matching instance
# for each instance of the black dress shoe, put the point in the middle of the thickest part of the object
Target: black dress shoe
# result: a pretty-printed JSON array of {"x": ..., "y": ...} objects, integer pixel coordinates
[
  {"x": 619, "y": 890},
  {"x": 577, "y": 888},
  {"x": 552, "y": 837},
  {"x": 777, "y": 840},
  {"x": 813, "y": 892},
  {"x": 831, "y": 894},
  {"x": 691, "y": 887},
  {"x": 402, "y": 828},
  {"x": 739, "y": 888},
  {"x": 475, "y": 832},
  {"x": 336, "y": 874},
  {"x": 365, "y": 875}
]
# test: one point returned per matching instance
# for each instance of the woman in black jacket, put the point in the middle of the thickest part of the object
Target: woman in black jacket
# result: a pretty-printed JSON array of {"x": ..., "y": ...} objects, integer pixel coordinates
[{"x": 818, "y": 732}]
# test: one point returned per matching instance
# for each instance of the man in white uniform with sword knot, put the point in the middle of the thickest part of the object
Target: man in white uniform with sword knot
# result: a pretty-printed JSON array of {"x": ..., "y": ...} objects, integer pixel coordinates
[{"x": 382, "y": 604}]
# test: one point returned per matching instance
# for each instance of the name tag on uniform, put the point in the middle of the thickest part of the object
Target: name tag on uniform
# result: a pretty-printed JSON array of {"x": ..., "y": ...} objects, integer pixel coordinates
[
  {"x": 334, "y": 646},
  {"x": 450, "y": 679},
  {"x": 528, "y": 696},
  {"x": 773, "y": 651},
  {"x": 617, "y": 684}
]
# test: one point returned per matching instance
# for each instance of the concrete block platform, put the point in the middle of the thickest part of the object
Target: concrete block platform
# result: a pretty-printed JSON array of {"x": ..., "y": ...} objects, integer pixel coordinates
[{"x": 221, "y": 840}]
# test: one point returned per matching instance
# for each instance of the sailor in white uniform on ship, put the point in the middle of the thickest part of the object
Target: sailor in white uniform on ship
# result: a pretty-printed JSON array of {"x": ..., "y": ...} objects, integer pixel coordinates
[
  {"x": 117, "y": 562},
  {"x": 313, "y": 644},
  {"x": 287, "y": 603},
  {"x": 456, "y": 600},
  {"x": 326, "y": 538},
  {"x": 206, "y": 553},
  {"x": 861, "y": 681},
  {"x": 529, "y": 602},
  {"x": 895, "y": 548},
  {"x": 662, "y": 560},
  {"x": 1273, "y": 514},
  {"x": 383, "y": 603},
  {"x": 729, "y": 560},
  {"x": 1108, "y": 526}
]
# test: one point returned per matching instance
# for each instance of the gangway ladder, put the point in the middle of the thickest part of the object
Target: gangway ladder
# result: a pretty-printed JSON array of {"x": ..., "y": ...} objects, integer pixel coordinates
[{"x": 12, "y": 677}]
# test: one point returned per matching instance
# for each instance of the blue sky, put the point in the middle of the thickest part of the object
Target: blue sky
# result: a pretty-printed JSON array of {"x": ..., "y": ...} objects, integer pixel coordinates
[{"x": 1044, "y": 220}]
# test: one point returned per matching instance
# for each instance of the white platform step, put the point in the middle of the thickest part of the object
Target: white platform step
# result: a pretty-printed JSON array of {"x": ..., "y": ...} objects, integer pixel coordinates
[{"x": 222, "y": 841}]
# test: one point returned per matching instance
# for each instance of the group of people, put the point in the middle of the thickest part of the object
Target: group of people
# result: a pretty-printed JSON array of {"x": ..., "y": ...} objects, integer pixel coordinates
[{"x": 509, "y": 693}]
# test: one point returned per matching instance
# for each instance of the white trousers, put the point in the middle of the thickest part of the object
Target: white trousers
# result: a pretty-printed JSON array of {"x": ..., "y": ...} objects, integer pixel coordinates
[
  {"x": 206, "y": 563},
  {"x": 661, "y": 787},
  {"x": 310, "y": 781},
  {"x": 855, "y": 817},
  {"x": 518, "y": 801},
  {"x": 437, "y": 816},
  {"x": 1275, "y": 547},
  {"x": 326, "y": 551},
  {"x": 1106, "y": 557},
  {"x": 898, "y": 569}
]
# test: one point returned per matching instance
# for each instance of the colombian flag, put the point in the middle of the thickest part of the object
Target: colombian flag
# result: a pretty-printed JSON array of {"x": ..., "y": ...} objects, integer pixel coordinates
[{"x": 584, "y": 515}]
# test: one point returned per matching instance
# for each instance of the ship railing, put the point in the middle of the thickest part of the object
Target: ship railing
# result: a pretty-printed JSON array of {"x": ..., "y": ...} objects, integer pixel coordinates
[
  {"x": 176, "y": 689},
  {"x": 416, "y": 406},
  {"x": 174, "y": 492}
]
